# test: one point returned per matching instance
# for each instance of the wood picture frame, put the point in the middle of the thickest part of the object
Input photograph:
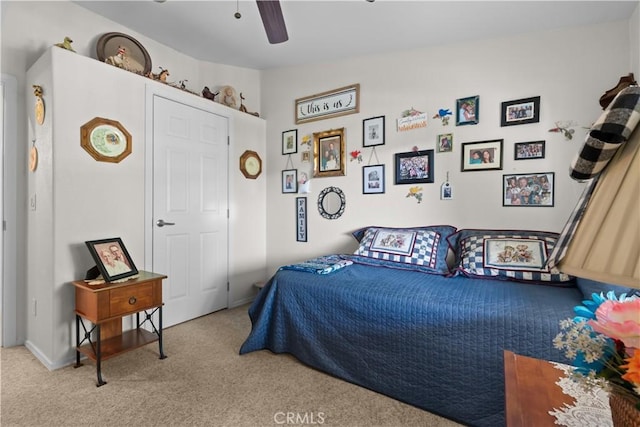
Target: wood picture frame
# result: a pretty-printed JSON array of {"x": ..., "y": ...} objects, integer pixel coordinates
[
  {"x": 414, "y": 167},
  {"x": 482, "y": 155},
  {"x": 138, "y": 59},
  {"x": 373, "y": 179},
  {"x": 445, "y": 143},
  {"x": 373, "y": 132},
  {"x": 468, "y": 110},
  {"x": 290, "y": 181},
  {"x": 324, "y": 105},
  {"x": 112, "y": 258},
  {"x": 290, "y": 141},
  {"x": 520, "y": 111},
  {"x": 329, "y": 158},
  {"x": 105, "y": 140},
  {"x": 529, "y": 150},
  {"x": 528, "y": 189}
]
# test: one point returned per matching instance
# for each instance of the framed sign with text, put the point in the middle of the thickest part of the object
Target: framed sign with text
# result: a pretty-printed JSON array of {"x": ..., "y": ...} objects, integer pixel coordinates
[
  {"x": 301, "y": 219},
  {"x": 333, "y": 103}
]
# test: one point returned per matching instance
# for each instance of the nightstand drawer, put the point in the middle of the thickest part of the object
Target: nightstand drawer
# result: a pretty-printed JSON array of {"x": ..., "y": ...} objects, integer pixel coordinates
[{"x": 131, "y": 299}]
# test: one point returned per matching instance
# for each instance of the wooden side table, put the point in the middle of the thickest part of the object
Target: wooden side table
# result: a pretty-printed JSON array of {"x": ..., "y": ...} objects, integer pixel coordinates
[
  {"x": 531, "y": 391},
  {"x": 105, "y": 305}
]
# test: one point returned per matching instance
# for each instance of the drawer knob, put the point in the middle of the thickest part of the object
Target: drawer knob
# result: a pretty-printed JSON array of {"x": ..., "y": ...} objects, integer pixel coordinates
[{"x": 132, "y": 300}]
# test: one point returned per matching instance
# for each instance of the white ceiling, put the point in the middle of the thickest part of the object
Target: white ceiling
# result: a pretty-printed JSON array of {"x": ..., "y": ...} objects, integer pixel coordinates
[{"x": 321, "y": 31}]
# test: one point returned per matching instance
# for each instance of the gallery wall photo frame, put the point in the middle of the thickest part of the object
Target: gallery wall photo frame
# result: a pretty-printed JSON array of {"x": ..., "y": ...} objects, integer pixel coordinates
[
  {"x": 529, "y": 150},
  {"x": 290, "y": 141},
  {"x": 301, "y": 219},
  {"x": 373, "y": 132},
  {"x": 535, "y": 189},
  {"x": 290, "y": 181},
  {"x": 329, "y": 153},
  {"x": 481, "y": 155},
  {"x": 111, "y": 258},
  {"x": 520, "y": 111},
  {"x": 445, "y": 143},
  {"x": 468, "y": 110},
  {"x": 373, "y": 179},
  {"x": 324, "y": 105},
  {"x": 414, "y": 167}
]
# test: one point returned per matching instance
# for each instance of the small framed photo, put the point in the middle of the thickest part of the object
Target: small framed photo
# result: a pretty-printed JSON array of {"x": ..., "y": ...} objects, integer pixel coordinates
[
  {"x": 373, "y": 179},
  {"x": 520, "y": 111},
  {"x": 482, "y": 155},
  {"x": 445, "y": 143},
  {"x": 329, "y": 156},
  {"x": 112, "y": 258},
  {"x": 529, "y": 150},
  {"x": 290, "y": 141},
  {"x": 290, "y": 181},
  {"x": 468, "y": 110},
  {"x": 414, "y": 167},
  {"x": 528, "y": 189},
  {"x": 373, "y": 131}
]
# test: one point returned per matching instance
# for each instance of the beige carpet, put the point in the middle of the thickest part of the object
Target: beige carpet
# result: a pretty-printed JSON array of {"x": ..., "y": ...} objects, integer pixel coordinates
[{"x": 203, "y": 382}]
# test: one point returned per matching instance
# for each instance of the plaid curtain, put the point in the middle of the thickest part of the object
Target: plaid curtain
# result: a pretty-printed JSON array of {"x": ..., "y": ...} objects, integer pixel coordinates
[{"x": 609, "y": 132}]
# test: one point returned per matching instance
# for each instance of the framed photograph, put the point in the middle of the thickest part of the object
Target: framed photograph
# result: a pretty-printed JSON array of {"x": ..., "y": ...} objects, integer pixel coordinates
[
  {"x": 136, "y": 58},
  {"x": 528, "y": 189},
  {"x": 468, "y": 110},
  {"x": 445, "y": 143},
  {"x": 290, "y": 181},
  {"x": 105, "y": 140},
  {"x": 373, "y": 179},
  {"x": 332, "y": 103},
  {"x": 373, "y": 131},
  {"x": 414, "y": 167},
  {"x": 290, "y": 141},
  {"x": 329, "y": 157},
  {"x": 482, "y": 155},
  {"x": 520, "y": 111},
  {"x": 529, "y": 150},
  {"x": 301, "y": 219},
  {"x": 112, "y": 258}
]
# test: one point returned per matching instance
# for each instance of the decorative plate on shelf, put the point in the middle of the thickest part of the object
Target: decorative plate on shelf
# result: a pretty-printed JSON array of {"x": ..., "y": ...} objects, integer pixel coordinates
[{"x": 135, "y": 57}]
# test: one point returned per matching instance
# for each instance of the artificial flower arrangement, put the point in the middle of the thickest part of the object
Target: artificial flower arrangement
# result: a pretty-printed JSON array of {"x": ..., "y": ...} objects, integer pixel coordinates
[{"x": 603, "y": 341}]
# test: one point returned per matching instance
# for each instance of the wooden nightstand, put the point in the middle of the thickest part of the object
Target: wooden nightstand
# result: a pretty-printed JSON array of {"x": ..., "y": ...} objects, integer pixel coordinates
[{"x": 105, "y": 305}]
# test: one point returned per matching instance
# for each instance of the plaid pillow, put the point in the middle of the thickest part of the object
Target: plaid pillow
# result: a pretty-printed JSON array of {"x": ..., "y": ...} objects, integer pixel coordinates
[
  {"x": 407, "y": 248},
  {"x": 507, "y": 255}
]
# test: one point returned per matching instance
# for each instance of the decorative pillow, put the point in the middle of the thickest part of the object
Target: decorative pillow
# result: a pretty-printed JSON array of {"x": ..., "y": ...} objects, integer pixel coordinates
[
  {"x": 420, "y": 248},
  {"x": 507, "y": 254}
]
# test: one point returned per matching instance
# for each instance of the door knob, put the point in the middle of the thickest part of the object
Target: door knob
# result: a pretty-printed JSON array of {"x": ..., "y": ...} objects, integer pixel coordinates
[{"x": 162, "y": 223}]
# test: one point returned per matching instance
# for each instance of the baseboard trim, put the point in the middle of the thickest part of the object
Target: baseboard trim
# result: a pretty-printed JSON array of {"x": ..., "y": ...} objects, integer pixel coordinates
[
  {"x": 242, "y": 301},
  {"x": 52, "y": 366}
]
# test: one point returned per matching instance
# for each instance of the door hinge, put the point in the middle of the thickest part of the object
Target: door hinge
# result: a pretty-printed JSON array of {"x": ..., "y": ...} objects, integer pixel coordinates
[
  {"x": 228, "y": 215},
  {"x": 228, "y": 140},
  {"x": 227, "y": 286}
]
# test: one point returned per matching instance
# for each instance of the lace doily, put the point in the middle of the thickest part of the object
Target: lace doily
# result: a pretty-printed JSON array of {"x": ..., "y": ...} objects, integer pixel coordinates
[{"x": 591, "y": 408}]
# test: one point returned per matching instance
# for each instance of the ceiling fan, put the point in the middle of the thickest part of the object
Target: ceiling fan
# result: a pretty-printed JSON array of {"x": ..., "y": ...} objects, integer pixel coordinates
[{"x": 273, "y": 21}]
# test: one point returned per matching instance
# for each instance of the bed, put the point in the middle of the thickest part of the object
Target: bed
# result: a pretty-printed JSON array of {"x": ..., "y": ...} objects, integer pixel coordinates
[{"x": 412, "y": 327}]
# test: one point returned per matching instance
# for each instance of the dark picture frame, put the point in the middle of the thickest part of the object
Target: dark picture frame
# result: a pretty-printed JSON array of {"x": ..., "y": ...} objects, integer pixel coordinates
[
  {"x": 373, "y": 179},
  {"x": 529, "y": 150},
  {"x": 535, "y": 189},
  {"x": 482, "y": 155},
  {"x": 520, "y": 111},
  {"x": 468, "y": 110},
  {"x": 112, "y": 258},
  {"x": 290, "y": 181},
  {"x": 373, "y": 132},
  {"x": 329, "y": 158},
  {"x": 414, "y": 167},
  {"x": 290, "y": 141},
  {"x": 138, "y": 59}
]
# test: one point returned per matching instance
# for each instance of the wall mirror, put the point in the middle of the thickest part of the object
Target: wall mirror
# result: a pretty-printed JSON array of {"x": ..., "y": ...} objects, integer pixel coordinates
[{"x": 331, "y": 203}]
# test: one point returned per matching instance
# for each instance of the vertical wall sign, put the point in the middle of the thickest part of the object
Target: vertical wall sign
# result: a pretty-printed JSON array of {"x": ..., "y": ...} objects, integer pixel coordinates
[{"x": 301, "y": 219}]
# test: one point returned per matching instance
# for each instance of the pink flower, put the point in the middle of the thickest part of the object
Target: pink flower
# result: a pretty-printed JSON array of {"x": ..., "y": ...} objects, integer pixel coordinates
[{"x": 619, "y": 320}]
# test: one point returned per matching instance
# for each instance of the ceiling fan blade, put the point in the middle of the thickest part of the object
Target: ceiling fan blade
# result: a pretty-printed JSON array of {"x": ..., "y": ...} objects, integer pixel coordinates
[{"x": 273, "y": 21}]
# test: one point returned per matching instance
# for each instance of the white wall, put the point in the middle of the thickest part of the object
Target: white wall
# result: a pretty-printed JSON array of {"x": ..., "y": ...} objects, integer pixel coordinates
[
  {"x": 569, "y": 70},
  {"x": 634, "y": 37}
]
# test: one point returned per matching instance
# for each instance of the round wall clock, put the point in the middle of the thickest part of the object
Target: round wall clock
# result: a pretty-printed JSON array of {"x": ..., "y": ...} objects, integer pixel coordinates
[{"x": 250, "y": 164}]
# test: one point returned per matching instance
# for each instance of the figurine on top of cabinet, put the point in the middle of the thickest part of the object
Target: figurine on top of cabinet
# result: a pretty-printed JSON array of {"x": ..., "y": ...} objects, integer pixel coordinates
[
  {"x": 120, "y": 59},
  {"x": 162, "y": 75},
  {"x": 66, "y": 44},
  {"x": 244, "y": 109}
]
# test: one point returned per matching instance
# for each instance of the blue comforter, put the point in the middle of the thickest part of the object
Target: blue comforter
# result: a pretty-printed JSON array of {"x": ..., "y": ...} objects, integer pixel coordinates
[{"x": 430, "y": 341}]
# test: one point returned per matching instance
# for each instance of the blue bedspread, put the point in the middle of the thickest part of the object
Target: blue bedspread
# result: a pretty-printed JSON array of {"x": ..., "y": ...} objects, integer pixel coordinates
[{"x": 430, "y": 341}]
